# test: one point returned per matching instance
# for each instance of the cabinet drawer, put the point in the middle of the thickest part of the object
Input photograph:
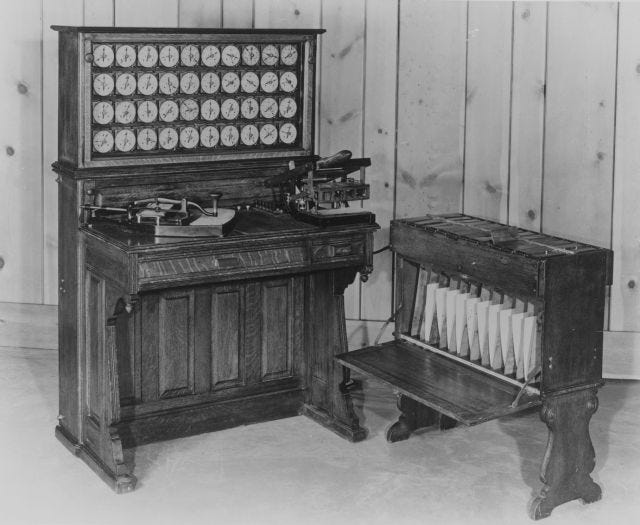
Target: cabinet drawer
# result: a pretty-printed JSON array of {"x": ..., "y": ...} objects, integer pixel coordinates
[{"x": 338, "y": 250}]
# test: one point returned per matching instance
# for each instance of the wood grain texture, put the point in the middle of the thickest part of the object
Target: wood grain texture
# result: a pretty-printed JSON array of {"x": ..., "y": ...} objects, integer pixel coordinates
[
  {"x": 237, "y": 13},
  {"x": 625, "y": 292},
  {"x": 98, "y": 13},
  {"x": 578, "y": 154},
  {"x": 200, "y": 13},
  {"x": 21, "y": 241},
  {"x": 381, "y": 25},
  {"x": 431, "y": 83},
  {"x": 146, "y": 13},
  {"x": 527, "y": 114},
  {"x": 287, "y": 13},
  {"x": 486, "y": 175}
]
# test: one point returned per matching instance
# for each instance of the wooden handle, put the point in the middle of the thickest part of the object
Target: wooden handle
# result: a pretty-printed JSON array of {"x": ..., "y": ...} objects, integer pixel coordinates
[{"x": 334, "y": 160}]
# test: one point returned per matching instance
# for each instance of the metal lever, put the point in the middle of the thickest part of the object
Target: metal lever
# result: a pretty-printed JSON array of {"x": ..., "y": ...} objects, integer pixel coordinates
[{"x": 183, "y": 204}]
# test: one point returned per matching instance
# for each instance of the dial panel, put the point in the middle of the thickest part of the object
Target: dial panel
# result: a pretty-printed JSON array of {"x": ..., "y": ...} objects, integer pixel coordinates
[{"x": 167, "y": 97}]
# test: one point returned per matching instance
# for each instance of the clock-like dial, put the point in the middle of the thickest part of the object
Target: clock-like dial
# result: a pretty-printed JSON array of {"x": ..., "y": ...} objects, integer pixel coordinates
[
  {"x": 269, "y": 82},
  {"x": 288, "y": 133},
  {"x": 210, "y": 56},
  {"x": 147, "y": 139},
  {"x": 125, "y": 140},
  {"x": 230, "y": 82},
  {"x": 189, "y": 109},
  {"x": 147, "y": 56},
  {"x": 189, "y": 137},
  {"x": 268, "y": 107},
  {"x": 125, "y": 56},
  {"x": 103, "y": 141},
  {"x": 250, "y": 55},
  {"x": 169, "y": 111},
  {"x": 268, "y": 134},
  {"x": 125, "y": 84},
  {"x": 249, "y": 108},
  {"x": 190, "y": 55},
  {"x": 230, "y": 56},
  {"x": 210, "y": 109},
  {"x": 289, "y": 55},
  {"x": 103, "y": 112},
  {"x": 147, "y": 111},
  {"x": 125, "y": 112},
  {"x": 249, "y": 135},
  {"x": 168, "y": 138},
  {"x": 169, "y": 83},
  {"x": 230, "y": 109},
  {"x": 288, "y": 81},
  {"x": 210, "y": 82},
  {"x": 169, "y": 56},
  {"x": 103, "y": 84},
  {"x": 270, "y": 55},
  {"x": 103, "y": 55},
  {"x": 189, "y": 83},
  {"x": 147, "y": 84},
  {"x": 250, "y": 82},
  {"x": 288, "y": 107},
  {"x": 229, "y": 136},
  {"x": 209, "y": 136}
]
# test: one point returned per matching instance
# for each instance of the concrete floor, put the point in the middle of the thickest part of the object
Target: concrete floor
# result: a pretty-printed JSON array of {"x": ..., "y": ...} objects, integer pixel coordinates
[{"x": 294, "y": 471}]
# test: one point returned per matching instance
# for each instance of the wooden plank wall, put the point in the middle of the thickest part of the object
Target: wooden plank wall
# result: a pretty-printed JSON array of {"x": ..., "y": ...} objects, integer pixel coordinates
[{"x": 526, "y": 112}]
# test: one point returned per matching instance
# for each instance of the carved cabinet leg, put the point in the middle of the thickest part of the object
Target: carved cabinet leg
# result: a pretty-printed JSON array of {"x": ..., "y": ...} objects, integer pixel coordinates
[
  {"x": 570, "y": 457},
  {"x": 413, "y": 416}
]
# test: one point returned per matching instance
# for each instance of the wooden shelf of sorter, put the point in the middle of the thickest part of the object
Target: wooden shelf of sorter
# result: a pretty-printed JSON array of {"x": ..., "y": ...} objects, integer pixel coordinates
[{"x": 464, "y": 393}]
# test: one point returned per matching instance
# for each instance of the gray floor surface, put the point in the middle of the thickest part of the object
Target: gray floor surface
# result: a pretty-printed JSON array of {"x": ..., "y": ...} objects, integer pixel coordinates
[{"x": 295, "y": 471}]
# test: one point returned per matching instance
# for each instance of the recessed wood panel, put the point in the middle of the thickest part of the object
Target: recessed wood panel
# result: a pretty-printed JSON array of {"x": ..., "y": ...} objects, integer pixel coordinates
[
  {"x": 94, "y": 343},
  {"x": 227, "y": 346},
  {"x": 277, "y": 351}
]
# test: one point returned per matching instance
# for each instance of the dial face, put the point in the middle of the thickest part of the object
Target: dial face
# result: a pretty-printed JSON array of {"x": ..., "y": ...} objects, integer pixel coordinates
[
  {"x": 125, "y": 84},
  {"x": 169, "y": 56},
  {"x": 250, "y": 55},
  {"x": 125, "y": 140},
  {"x": 168, "y": 138},
  {"x": 229, "y": 136},
  {"x": 189, "y": 137},
  {"x": 270, "y": 55},
  {"x": 268, "y": 134},
  {"x": 103, "y": 84},
  {"x": 190, "y": 55},
  {"x": 189, "y": 109},
  {"x": 289, "y": 55},
  {"x": 250, "y": 82},
  {"x": 103, "y": 112},
  {"x": 169, "y": 83},
  {"x": 147, "y": 84},
  {"x": 103, "y": 141},
  {"x": 288, "y": 81},
  {"x": 125, "y": 112},
  {"x": 269, "y": 82},
  {"x": 147, "y": 139},
  {"x": 249, "y": 108},
  {"x": 189, "y": 83},
  {"x": 209, "y": 136},
  {"x": 147, "y": 111},
  {"x": 210, "y": 56},
  {"x": 125, "y": 56},
  {"x": 103, "y": 55},
  {"x": 230, "y": 56},
  {"x": 210, "y": 82},
  {"x": 147, "y": 56},
  {"x": 230, "y": 109},
  {"x": 210, "y": 109},
  {"x": 230, "y": 82},
  {"x": 288, "y": 107},
  {"x": 169, "y": 111},
  {"x": 288, "y": 133},
  {"x": 249, "y": 135},
  {"x": 268, "y": 107}
]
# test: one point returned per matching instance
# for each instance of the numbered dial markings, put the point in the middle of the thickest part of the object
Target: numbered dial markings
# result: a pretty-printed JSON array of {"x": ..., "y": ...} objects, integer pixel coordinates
[
  {"x": 125, "y": 140},
  {"x": 189, "y": 83},
  {"x": 147, "y": 56},
  {"x": 250, "y": 55},
  {"x": 210, "y": 56},
  {"x": 268, "y": 134},
  {"x": 210, "y": 83},
  {"x": 169, "y": 111},
  {"x": 126, "y": 84},
  {"x": 270, "y": 55},
  {"x": 249, "y": 108},
  {"x": 189, "y": 109},
  {"x": 103, "y": 141},
  {"x": 230, "y": 82},
  {"x": 125, "y": 112},
  {"x": 210, "y": 109},
  {"x": 269, "y": 82},
  {"x": 288, "y": 81},
  {"x": 189, "y": 137},
  {"x": 125, "y": 56},
  {"x": 288, "y": 107},
  {"x": 289, "y": 55},
  {"x": 147, "y": 84},
  {"x": 169, "y": 83},
  {"x": 229, "y": 136},
  {"x": 230, "y": 56},
  {"x": 103, "y": 55},
  {"x": 250, "y": 82},
  {"x": 169, "y": 56},
  {"x": 268, "y": 107},
  {"x": 103, "y": 112},
  {"x": 168, "y": 138},
  {"x": 230, "y": 109},
  {"x": 288, "y": 133},
  {"x": 249, "y": 135},
  {"x": 147, "y": 111},
  {"x": 147, "y": 139},
  {"x": 209, "y": 136},
  {"x": 190, "y": 55},
  {"x": 103, "y": 84}
]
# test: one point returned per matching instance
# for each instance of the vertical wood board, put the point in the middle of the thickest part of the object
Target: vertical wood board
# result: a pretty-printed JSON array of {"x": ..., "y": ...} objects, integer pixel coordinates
[
  {"x": 200, "y": 13},
  {"x": 98, "y": 12},
  {"x": 293, "y": 14},
  {"x": 486, "y": 164},
  {"x": 146, "y": 13},
  {"x": 237, "y": 13},
  {"x": 579, "y": 120}
]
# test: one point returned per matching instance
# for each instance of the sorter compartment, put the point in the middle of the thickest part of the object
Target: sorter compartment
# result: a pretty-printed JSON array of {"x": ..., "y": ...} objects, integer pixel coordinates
[{"x": 462, "y": 393}]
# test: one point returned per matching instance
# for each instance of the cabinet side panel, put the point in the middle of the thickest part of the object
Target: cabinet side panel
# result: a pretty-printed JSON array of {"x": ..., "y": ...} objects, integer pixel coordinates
[
  {"x": 68, "y": 128},
  {"x": 277, "y": 298}
]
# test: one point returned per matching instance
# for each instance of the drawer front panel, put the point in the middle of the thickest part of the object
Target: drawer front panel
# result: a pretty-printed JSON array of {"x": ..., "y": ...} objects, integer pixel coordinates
[{"x": 347, "y": 249}]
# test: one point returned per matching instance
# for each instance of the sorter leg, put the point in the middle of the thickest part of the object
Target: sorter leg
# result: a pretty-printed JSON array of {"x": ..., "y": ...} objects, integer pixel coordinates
[
  {"x": 414, "y": 416},
  {"x": 570, "y": 457}
]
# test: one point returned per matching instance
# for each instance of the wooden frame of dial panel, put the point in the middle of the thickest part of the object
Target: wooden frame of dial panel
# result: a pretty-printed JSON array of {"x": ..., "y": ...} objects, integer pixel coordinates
[{"x": 76, "y": 49}]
